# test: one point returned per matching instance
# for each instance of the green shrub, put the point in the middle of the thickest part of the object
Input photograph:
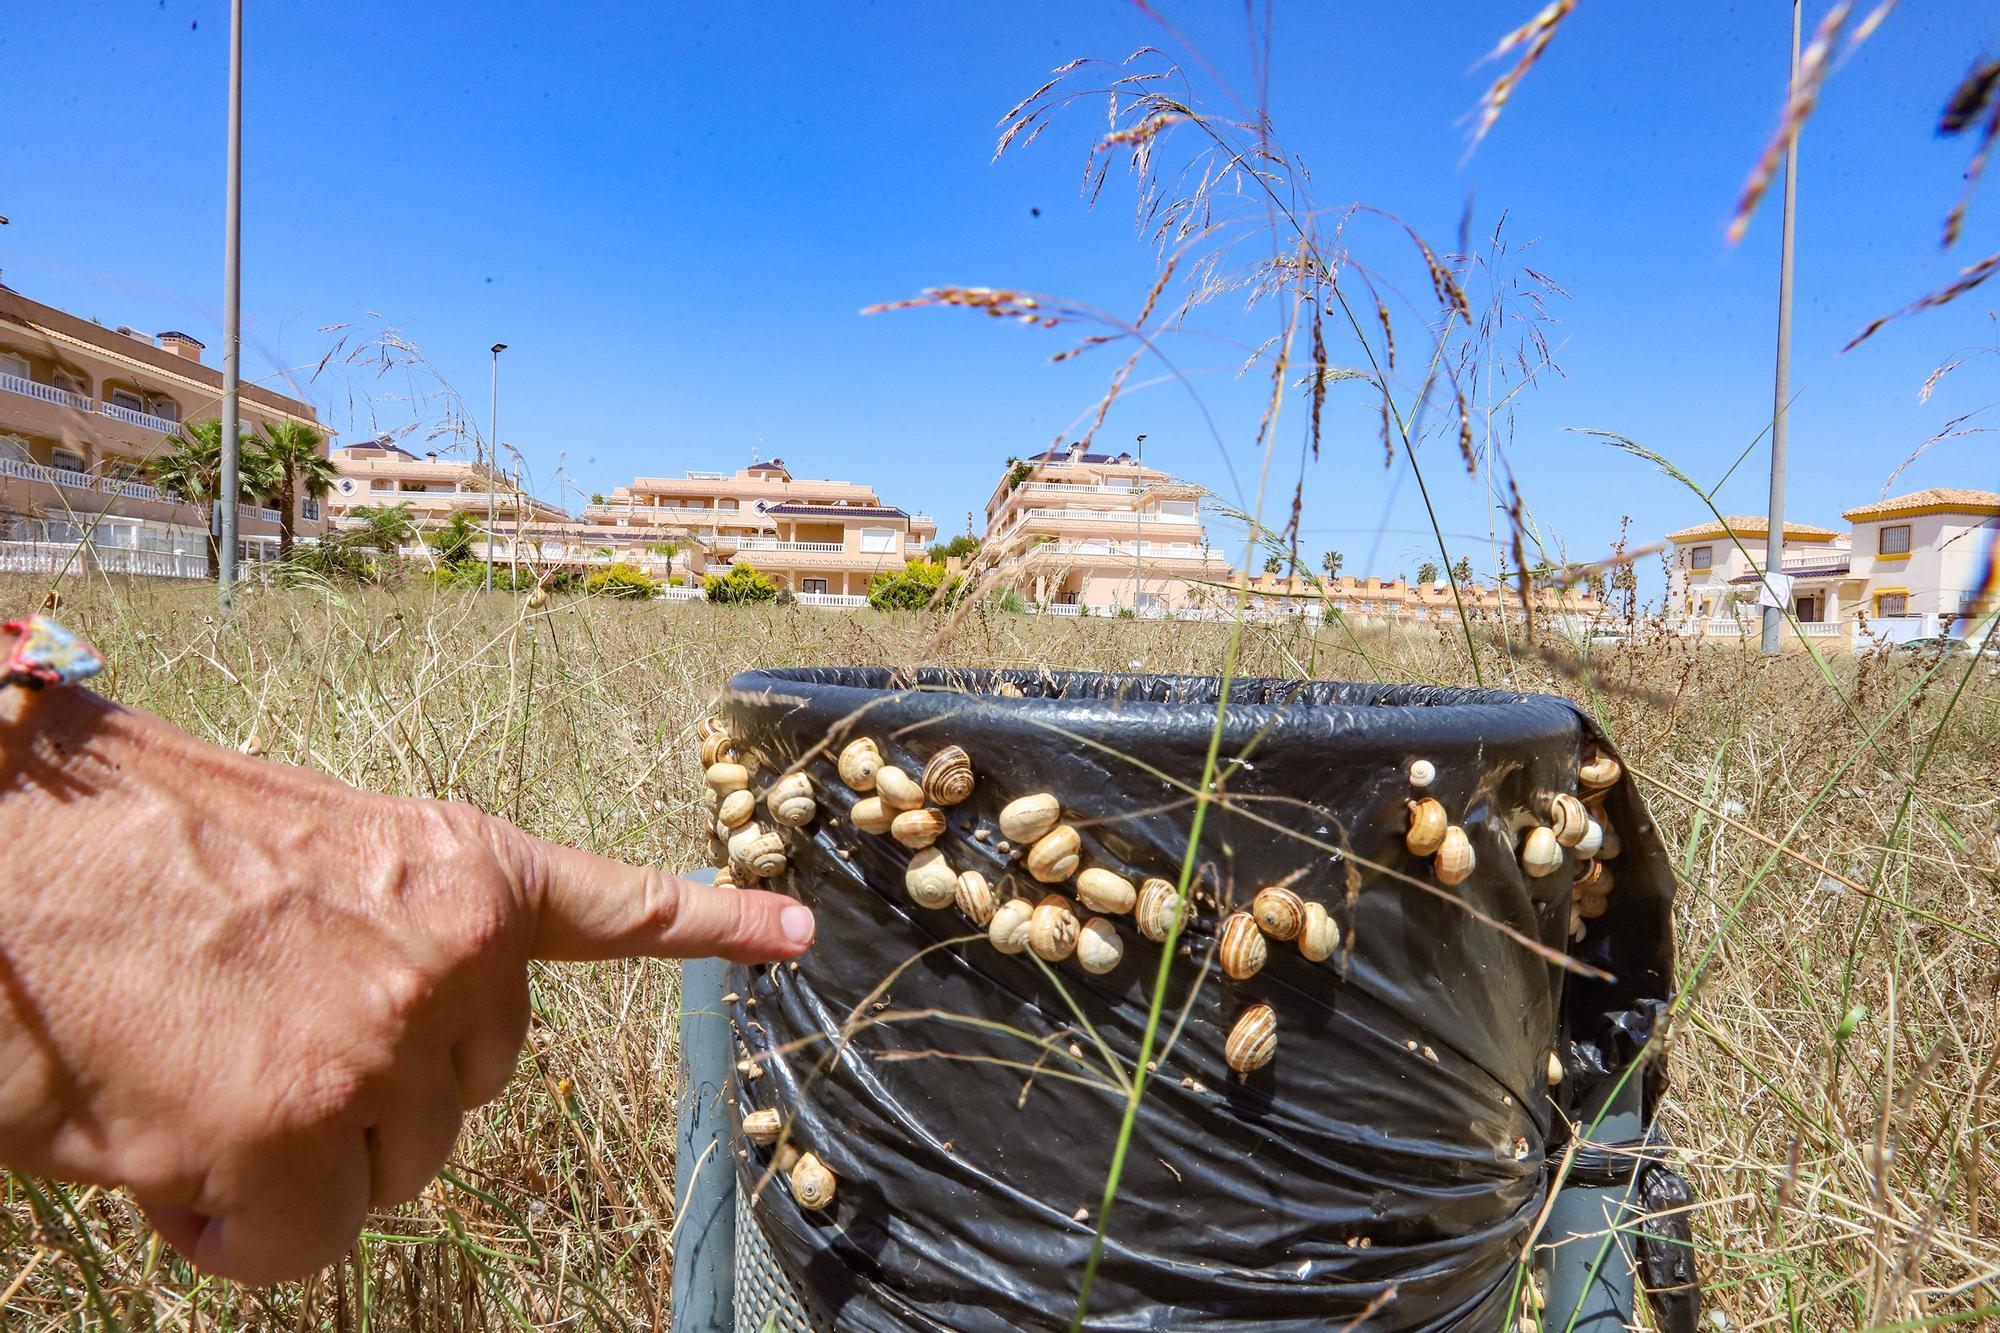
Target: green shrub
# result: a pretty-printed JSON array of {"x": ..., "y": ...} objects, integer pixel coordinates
[
  {"x": 620, "y": 580},
  {"x": 917, "y": 585},
  {"x": 963, "y": 545},
  {"x": 1010, "y": 600},
  {"x": 742, "y": 585},
  {"x": 331, "y": 562}
]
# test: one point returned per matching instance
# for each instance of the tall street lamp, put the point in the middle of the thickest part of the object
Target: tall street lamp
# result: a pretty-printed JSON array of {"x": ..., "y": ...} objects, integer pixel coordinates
[
  {"x": 231, "y": 462},
  {"x": 1138, "y": 533},
  {"x": 492, "y": 460}
]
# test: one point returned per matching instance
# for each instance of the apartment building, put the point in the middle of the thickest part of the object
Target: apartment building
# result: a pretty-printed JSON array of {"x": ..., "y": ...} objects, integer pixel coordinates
[
  {"x": 1373, "y": 599},
  {"x": 1915, "y": 566},
  {"x": 1101, "y": 533},
  {"x": 381, "y": 473},
  {"x": 83, "y": 412}
]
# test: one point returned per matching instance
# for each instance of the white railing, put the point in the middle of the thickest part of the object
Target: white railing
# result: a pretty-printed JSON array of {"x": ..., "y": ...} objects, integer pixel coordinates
[
  {"x": 1062, "y": 609},
  {"x": 1114, "y": 550},
  {"x": 772, "y": 544},
  {"x": 1835, "y": 557},
  {"x": 834, "y": 600},
  {"x": 20, "y": 467},
  {"x": 1080, "y": 488},
  {"x": 682, "y": 594},
  {"x": 134, "y": 417},
  {"x": 81, "y": 481},
  {"x": 48, "y": 393},
  {"x": 31, "y": 557},
  {"x": 1820, "y": 629},
  {"x": 131, "y": 490}
]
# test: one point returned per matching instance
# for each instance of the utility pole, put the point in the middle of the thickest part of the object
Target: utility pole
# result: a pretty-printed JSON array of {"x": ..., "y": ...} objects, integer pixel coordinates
[
  {"x": 232, "y": 307},
  {"x": 1781, "y": 381},
  {"x": 493, "y": 461},
  {"x": 1139, "y": 535}
]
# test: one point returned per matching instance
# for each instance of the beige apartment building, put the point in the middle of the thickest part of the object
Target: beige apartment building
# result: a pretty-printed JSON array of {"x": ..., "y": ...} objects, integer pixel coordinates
[
  {"x": 381, "y": 473},
  {"x": 83, "y": 412},
  {"x": 1916, "y": 566}
]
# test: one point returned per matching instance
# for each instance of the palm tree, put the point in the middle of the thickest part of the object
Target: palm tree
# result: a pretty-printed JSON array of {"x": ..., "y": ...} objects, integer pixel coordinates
[
  {"x": 1427, "y": 572},
  {"x": 190, "y": 471},
  {"x": 293, "y": 451},
  {"x": 1273, "y": 563},
  {"x": 1462, "y": 571},
  {"x": 1331, "y": 562},
  {"x": 384, "y": 527}
]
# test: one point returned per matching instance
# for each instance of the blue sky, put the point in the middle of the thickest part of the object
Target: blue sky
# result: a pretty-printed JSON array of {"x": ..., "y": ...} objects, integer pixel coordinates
[{"x": 674, "y": 212}]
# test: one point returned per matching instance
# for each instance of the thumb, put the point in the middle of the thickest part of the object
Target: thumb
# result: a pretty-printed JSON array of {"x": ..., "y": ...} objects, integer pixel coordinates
[{"x": 588, "y": 907}]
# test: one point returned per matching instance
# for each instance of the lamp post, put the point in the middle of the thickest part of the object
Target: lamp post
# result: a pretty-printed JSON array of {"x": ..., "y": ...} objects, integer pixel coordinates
[
  {"x": 231, "y": 462},
  {"x": 1138, "y": 536},
  {"x": 492, "y": 460},
  {"x": 1781, "y": 380}
]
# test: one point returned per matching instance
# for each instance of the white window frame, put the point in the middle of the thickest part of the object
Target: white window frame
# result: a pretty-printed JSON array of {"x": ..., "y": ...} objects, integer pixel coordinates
[
  {"x": 13, "y": 363},
  {"x": 808, "y": 585},
  {"x": 1892, "y": 604},
  {"x": 879, "y": 541}
]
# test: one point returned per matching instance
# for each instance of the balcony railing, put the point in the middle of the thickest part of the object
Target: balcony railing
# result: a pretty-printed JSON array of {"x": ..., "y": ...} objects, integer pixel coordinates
[
  {"x": 1080, "y": 488},
  {"x": 131, "y": 490},
  {"x": 836, "y": 601},
  {"x": 131, "y": 416},
  {"x": 48, "y": 393},
  {"x": 70, "y": 477},
  {"x": 772, "y": 544}
]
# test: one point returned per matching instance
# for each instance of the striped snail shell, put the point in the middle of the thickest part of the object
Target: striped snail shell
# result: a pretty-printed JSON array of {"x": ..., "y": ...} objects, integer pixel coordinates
[
  {"x": 711, "y": 726},
  {"x": 725, "y": 878},
  {"x": 1319, "y": 936},
  {"x": 1098, "y": 948},
  {"x": 1428, "y": 822},
  {"x": 1242, "y": 950},
  {"x": 1007, "y": 689},
  {"x": 1541, "y": 854},
  {"x": 1279, "y": 912},
  {"x": 1029, "y": 817},
  {"x": 727, "y": 776},
  {"x": 975, "y": 897},
  {"x": 859, "y": 762},
  {"x": 1598, "y": 770},
  {"x": 813, "y": 1184},
  {"x": 1008, "y": 930},
  {"x": 1158, "y": 901},
  {"x": 948, "y": 776},
  {"x": 1054, "y": 857},
  {"x": 735, "y": 809},
  {"x": 1053, "y": 929},
  {"x": 1253, "y": 1041},
  {"x": 1422, "y": 773},
  {"x": 717, "y": 747},
  {"x": 1105, "y": 891},
  {"x": 917, "y": 828},
  {"x": 1567, "y": 818},
  {"x": 898, "y": 790},
  {"x": 930, "y": 879},
  {"x": 871, "y": 816},
  {"x": 1592, "y": 877},
  {"x": 790, "y": 800},
  {"x": 1591, "y": 906},
  {"x": 763, "y": 1127},
  {"x": 1455, "y": 860},
  {"x": 757, "y": 851},
  {"x": 1592, "y": 841}
]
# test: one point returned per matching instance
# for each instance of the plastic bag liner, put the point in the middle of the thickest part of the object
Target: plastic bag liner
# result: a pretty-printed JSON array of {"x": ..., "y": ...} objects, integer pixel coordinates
[{"x": 1383, "y": 1170}]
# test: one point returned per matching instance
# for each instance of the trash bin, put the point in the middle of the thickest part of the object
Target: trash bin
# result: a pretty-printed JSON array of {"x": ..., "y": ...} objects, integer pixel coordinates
[{"x": 1383, "y": 1166}]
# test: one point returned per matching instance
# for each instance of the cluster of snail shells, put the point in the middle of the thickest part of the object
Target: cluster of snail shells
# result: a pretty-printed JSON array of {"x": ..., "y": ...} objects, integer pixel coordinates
[
  {"x": 752, "y": 850},
  {"x": 1432, "y": 834},
  {"x": 813, "y": 1182}
]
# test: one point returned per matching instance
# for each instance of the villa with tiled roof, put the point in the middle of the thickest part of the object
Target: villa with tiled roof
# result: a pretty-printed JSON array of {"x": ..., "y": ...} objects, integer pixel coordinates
[{"x": 1914, "y": 566}]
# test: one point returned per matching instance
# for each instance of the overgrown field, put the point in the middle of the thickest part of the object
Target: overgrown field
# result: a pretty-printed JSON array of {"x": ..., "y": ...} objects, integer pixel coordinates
[{"x": 1836, "y": 834}]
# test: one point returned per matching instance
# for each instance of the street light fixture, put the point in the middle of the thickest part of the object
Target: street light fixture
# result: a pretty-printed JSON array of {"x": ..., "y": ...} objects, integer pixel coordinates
[{"x": 492, "y": 460}]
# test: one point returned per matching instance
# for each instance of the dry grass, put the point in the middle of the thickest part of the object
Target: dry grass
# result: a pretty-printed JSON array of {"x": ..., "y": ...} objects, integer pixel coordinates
[{"x": 1833, "y": 1065}]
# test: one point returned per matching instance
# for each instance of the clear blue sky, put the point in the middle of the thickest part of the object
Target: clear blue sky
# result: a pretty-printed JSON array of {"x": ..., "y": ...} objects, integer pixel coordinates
[{"x": 674, "y": 212}]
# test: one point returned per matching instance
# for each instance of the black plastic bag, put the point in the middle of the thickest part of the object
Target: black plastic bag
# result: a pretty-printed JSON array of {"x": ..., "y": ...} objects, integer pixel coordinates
[{"x": 1385, "y": 1167}]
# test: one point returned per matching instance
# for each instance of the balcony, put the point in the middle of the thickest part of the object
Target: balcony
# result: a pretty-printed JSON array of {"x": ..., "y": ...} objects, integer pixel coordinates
[
  {"x": 133, "y": 417},
  {"x": 773, "y": 544},
  {"x": 48, "y": 476},
  {"x": 48, "y": 393},
  {"x": 130, "y": 490}
]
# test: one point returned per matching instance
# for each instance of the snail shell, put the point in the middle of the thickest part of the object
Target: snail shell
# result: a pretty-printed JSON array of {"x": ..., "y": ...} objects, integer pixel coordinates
[
  {"x": 812, "y": 1183},
  {"x": 1053, "y": 929},
  {"x": 898, "y": 790},
  {"x": 1567, "y": 818},
  {"x": 1454, "y": 858},
  {"x": 1105, "y": 891},
  {"x": 1541, "y": 854},
  {"x": 975, "y": 897},
  {"x": 758, "y": 851},
  {"x": 727, "y": 776},
  {"x": 1592, "y": 877},
  {"x": 1592, "y": 841},
  {"x": 1279, "y": 912},
  {"x": 1422, "y": 773},
  {"x": 1054, "y": 857},
  {"x": 930, "y": 879},
  {"x": 725, "y": 878},
  {"x": 717, "y": 747},
  {"x": 871, "y": 816},
  {"x": 1319, "y": 935},
  {"x": 1253, "y": 1041},
  {"x": 859, "y": 762},
  {"x": 735, "y": 809},
  {"x": 948, "y": 776},
  {"x": 1612, "y": 846},
  {"x": 763, "y": 1127},
  {"x": 1428, "y": 822},
  {"x": 711, "y": 799},
  {"x": 1591, "y": 906},
  {"x": 1599, "y": 770},
  {"x": 1008, "y": 930},
  {"x": 917, "y": 828},
  {"x": 790, "y": 800},
  {"x": 1555, "y": 1069},
  {"x": 1158, "y": 901},
  {"x": 1098, "y": 948},
  {"x": 711, "y": 726},
  {"x": 1242, "y": 950},
  {"x": 1029, "y": 817}
]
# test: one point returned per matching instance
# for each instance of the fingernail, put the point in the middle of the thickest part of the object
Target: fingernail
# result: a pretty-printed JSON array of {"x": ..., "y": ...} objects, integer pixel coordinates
[{"x": 797, "y": 923}]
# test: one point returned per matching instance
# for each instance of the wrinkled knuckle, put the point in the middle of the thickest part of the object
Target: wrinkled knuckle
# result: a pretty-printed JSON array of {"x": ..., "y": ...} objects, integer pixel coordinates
[{"x": 662, "y": 897}]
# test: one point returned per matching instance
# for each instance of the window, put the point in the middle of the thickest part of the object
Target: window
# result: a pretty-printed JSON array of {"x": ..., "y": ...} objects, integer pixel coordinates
[
  {"x": 126, "y": 398},
  {"x": 1893, "y": 540},
  {"x": 13, "y": 365},
  {"x": 63, "y": 458},
  {"x": 1701, "y": 557},
  {"x": 878, "y": 539},
  {"x": 381, "y": 484},
  {"x": 812, "y": 585},
  {"x": 165, "y": 407},
  {"x": 1893, "y": 603},
  {"x": 67, "y": 382},
  {"x": 309, "y": 509}
]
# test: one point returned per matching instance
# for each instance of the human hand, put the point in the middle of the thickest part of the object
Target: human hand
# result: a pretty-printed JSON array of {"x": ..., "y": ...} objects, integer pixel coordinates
[{"x": 263, "y": 1000}]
